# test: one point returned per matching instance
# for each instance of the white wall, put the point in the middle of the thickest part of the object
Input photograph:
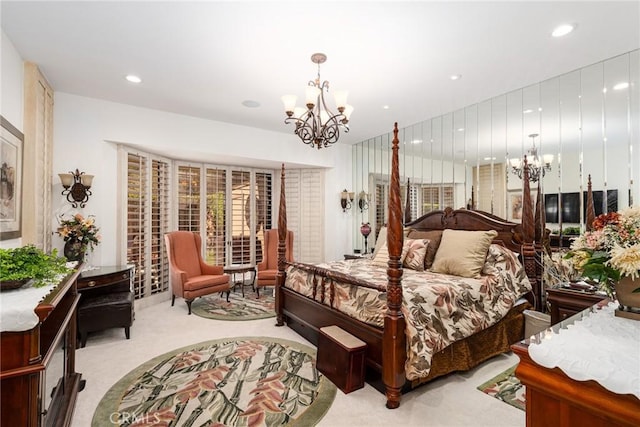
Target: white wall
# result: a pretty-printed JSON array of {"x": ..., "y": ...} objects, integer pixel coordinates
[
  {"x": 83, "y": 128},
  {"x": 11, "y": 96}
]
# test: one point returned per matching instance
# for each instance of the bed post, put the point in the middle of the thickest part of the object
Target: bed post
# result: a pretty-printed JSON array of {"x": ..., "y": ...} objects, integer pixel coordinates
[
  {"x": 528, "y": 229},
  {"x": 591, "y": 210},
  {"x": 540, "y": 237},
  {"x": 407, "y": 204},
  {"x": 282, "y": 236},
  {"x": 393, "y": 347}
]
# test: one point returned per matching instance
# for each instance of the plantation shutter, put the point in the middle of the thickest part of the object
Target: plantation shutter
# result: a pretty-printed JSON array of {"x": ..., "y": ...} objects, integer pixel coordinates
[
  {"x": 380, "y": 201},
  {"x": 311, "y": 240},
  {"x": 189, "y": 198},
  {"x": 490, "y": 185},
  {"x": 159, "y": 264},
  {"x": 216, "y": 216},
  {"x": 147, "y": 221},
  {"x": 263, "y": 198},
  {"x": 304, "y": 189},
  {"x": 240, "y": 217},
  {"x": 137, "y": 220},
  {"x": 292, "y": 193}
]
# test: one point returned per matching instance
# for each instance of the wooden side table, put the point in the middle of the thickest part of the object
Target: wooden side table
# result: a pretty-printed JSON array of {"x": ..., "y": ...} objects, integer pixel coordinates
[
  {"x": 564, "y": 303},
  {"x": 232, "y": 270}
]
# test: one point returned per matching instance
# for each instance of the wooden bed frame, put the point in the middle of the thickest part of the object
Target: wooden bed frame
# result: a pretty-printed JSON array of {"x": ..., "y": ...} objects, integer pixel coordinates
[{"x": 386, "y": 349}]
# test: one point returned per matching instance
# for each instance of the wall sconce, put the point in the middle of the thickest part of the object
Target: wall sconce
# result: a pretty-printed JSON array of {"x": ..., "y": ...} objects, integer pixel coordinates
[
  {"x": 346, "y": 197},
  {"x": 76, "y": 187},
  {"x": 363, "y": 201}
]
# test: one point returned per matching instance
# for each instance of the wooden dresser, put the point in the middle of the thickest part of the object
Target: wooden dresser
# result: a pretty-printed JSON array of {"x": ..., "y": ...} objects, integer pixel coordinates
[
  {"x": 37, "y": 366},
  {"x": 553, "y": 399}
]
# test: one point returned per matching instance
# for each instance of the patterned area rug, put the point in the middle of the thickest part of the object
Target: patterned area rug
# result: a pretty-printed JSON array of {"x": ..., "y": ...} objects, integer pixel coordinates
[
  {"x": 506, "y": 387},
  {"x": 249, "y": 307},
  {"x": 248, "y": 381}
]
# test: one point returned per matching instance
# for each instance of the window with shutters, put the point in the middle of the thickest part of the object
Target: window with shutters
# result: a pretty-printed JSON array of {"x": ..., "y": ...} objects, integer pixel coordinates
[
  {"x": 304, "y": 190},
  {"x": 147, "y": 221},
  {"x": 234, "y": 212},
  {"x": 490, "y": 187},
  {"x": 216, "y": 208}
]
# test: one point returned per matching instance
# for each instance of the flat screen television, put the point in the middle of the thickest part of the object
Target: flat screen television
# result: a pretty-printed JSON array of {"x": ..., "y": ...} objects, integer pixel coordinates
[
  {"x": 570, "y": 207},
  {"x": 551, "y": 208}
]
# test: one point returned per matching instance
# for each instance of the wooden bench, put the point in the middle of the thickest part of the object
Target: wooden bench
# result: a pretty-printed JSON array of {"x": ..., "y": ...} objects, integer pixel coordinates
[{"x": 341, "y": 358}]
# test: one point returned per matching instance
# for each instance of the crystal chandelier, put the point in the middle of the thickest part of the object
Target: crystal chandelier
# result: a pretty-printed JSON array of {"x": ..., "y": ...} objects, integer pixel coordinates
[
  {"x": 316, "y": 125},
  {"x": 537, "y": 167}
]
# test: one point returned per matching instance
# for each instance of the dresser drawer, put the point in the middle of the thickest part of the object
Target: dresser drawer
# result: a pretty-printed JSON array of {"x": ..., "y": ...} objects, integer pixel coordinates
[{"x": 117, "y": 278}]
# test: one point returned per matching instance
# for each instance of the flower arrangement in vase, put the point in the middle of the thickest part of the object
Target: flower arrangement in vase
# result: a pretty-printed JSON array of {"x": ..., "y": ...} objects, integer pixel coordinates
[
  {"x": 79, "y": 234},
  {"x": 610, "y": 255}
]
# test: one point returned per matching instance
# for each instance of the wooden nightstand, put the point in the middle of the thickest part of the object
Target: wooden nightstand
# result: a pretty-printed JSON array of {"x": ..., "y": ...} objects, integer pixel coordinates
[{"x": 564, "y": 303}]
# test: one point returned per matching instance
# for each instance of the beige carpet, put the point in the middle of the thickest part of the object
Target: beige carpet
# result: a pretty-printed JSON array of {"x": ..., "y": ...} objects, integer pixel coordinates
[{"x": 451, "y": 401}]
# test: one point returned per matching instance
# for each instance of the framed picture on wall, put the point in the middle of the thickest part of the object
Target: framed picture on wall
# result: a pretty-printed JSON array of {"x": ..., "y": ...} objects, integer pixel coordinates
[
  {"x": 11, "y": 140},
  {"x": 514, "y": 213}
]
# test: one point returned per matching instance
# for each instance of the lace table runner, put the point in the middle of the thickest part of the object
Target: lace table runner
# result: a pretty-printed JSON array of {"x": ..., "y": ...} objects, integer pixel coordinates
[{"x": 599, "y": 347}]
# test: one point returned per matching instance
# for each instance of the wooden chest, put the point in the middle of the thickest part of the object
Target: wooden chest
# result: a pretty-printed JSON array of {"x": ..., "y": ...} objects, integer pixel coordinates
[{"x": 341, "y": 358}]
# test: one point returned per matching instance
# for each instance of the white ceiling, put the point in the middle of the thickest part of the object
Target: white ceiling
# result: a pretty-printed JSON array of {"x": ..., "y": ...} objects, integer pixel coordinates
[{"x": 204, "y": 59}]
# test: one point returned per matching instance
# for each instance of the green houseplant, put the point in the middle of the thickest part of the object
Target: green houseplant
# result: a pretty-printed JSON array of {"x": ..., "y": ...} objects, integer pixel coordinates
[{"x": 19, "y": 265}]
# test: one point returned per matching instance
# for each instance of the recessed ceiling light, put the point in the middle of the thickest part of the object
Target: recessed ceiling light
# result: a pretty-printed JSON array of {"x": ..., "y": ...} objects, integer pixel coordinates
[
  {"x": 489, "y": 158},
  {"x": 416, "y": 141},
  {"x": 385, "y": 107},
  {"x": 455, "y": 76},
  {"x": 621, "y": 86},
  {"x": 250, "y": 103},
  {"x": 133, "y": 78},
  {"x": 460, "y": 129},
  {"x": 562, "y": 30},
  {"x": 527, "y": 111}
]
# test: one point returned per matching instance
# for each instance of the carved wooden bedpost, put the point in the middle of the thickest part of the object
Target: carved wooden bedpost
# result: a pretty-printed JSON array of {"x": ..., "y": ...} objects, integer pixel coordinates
[
  {"x": 540, "y": 237},
  {"x": 407, "y": 204},
  {"x": 591, "y": 210},
  {"x": 528, "y": 229},
  {"x": 394, "y": 350},
  {"x": 282, "y": 236}
]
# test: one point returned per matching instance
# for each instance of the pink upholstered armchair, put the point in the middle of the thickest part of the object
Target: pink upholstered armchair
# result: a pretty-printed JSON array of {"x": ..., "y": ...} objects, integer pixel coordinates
[
  {"x": 191, "y": 277},
  {"x": 268, "y": 268}
]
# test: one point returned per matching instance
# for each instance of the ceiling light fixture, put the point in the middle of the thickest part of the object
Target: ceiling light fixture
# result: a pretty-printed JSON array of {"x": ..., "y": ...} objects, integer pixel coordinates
[
  {"x": 316, "y": 125},
  {"x": 621, "y": 86},
  {"x": 455, "y": 76},
  {"x": 562, "y": 30},
  {"x": 133, "y": 79},
  {"x": 537, "y": 167}
]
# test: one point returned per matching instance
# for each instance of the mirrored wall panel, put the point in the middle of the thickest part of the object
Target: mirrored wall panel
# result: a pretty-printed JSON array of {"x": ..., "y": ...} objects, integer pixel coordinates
[{"x": 580, "y": 124}]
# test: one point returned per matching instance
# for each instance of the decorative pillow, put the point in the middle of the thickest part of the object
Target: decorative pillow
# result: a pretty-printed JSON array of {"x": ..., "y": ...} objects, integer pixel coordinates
[
  {"x": 434, "y": 237},
  {"x": 380, "y": 240},
  {"x": 416, "y": 249},
  {"x": 381, "y": 255},
  {"x": 467, "y": 249},
  {"x": 381, "y": 259}
]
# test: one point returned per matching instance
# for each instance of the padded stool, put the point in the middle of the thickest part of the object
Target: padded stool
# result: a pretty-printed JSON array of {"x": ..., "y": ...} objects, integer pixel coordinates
[
  {"x": 341, "y": 358},
  {"x": 96, "y": 313}
]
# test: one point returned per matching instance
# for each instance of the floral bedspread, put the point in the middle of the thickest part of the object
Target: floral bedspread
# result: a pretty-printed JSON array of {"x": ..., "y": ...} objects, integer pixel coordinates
[{"x": 439, "y": 309}]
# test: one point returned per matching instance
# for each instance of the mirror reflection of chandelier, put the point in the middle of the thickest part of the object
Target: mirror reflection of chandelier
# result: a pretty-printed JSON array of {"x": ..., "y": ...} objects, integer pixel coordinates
[
  {"x": 316, "y": 125},
  {"x": 537, "y": 167}
]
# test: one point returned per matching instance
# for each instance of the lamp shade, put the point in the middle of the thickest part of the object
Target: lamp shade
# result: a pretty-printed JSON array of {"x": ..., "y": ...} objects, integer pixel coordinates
[
  {"x": 66, "y": 179},
  {"x": 311, "y": 95},
  {"x": 289, "y": 102},
  {"x": 340, "y": 97},
  {"x": 86, "y": 180}
]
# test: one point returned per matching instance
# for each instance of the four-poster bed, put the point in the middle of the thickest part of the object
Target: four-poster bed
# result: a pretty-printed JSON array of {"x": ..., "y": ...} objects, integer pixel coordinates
[{"x": 388, "y": 340}]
